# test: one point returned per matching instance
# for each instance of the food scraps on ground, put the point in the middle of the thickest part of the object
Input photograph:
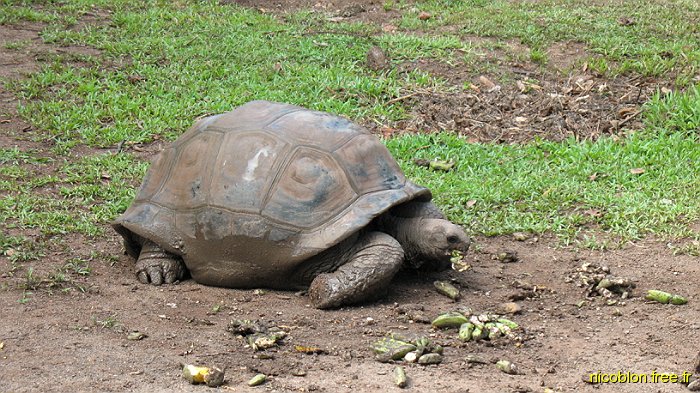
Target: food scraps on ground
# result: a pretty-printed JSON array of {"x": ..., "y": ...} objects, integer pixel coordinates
[
  {"x": 475, "y": 327},
  {"x": 212, "y": 376},
  {"x": 447, "y": 289},
  {"x": 458, "y": 262},
  {"x": 507, "y": 367},
  {"x": 665, "y": 297},
  {"x": 400, "y": 377},
  {"x": 259, "y": 379},
  {"x": 257, "y": 335},
  {"x": 398, "y": 347},
  {"x": 597, "y": 280}
]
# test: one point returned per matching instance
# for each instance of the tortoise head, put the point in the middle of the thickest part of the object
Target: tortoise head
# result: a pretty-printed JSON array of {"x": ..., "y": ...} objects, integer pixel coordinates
[{"x": 433, "y": 243}]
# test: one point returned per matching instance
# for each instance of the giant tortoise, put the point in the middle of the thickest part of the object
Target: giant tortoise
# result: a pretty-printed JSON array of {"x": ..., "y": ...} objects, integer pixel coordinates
[{"x": 274, "y": 195}]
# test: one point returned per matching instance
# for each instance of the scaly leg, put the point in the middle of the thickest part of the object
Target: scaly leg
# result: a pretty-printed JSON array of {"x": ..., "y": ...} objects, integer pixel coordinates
[{"x": 375, "y": 259}]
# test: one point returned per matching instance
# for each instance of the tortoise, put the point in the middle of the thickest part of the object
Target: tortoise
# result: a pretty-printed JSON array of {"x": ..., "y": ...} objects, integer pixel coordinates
[{"x": 278, "y": 196}]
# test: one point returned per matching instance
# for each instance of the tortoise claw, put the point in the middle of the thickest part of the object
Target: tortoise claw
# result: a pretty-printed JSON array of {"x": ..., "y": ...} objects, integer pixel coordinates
[
  {"x": 155, "y": 273},
  {"x": 156, "y": 266},
  {"x": 143, "y": 277}
]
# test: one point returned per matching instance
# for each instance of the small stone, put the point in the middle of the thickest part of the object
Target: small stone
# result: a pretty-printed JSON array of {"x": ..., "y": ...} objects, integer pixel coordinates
[
  {"x": 510, "y": 308},
  {"x": 520, "y": 236},
  {"x": 475, "y": 359},
  {"x": 507, "y": 256},
  {"x": 377, "y": 59},
  {"x": 215, "y": 377}
]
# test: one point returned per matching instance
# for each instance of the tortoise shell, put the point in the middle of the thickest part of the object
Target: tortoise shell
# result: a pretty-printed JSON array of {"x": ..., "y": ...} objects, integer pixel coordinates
[{"x": 247, "y": 196}]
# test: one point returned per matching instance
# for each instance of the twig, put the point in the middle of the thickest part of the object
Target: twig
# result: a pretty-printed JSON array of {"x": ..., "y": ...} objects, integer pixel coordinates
[
  {"x": 474, "y": 120},
  {"x": 397, "y": 99},
  {"x": 635, "y": 114}
]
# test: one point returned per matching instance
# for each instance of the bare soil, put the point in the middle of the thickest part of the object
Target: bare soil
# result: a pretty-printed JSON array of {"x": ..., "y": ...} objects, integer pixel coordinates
[{"x": 76, "y": 339}]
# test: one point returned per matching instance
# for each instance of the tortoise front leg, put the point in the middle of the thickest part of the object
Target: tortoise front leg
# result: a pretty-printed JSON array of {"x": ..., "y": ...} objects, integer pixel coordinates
[
  {"x": 156, "y": 265},
  {"x": 374, "y": 260}
]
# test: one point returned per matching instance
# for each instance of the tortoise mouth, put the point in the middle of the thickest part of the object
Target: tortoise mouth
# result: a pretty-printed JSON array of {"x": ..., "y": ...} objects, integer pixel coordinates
[{"x": 434, "y": 265}]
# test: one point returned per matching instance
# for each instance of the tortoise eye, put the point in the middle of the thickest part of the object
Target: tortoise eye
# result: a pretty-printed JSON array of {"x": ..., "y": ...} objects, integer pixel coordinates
[{"x": 453, "y": 239}]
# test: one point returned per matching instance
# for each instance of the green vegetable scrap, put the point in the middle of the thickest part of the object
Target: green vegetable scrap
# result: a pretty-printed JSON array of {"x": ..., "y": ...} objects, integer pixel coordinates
[{"x": 665, "y": 297}]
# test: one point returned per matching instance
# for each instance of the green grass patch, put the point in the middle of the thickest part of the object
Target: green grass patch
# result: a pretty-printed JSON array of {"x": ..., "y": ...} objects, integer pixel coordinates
[
  {"x": 172, "y": 64},
  {"x": 675, "y": 111},
  {"x": 651, "y": 37},
  {"x": 571, "y": 189},
  {"x": 80, "y": 197},
  {"x": 12, "y": 12}
]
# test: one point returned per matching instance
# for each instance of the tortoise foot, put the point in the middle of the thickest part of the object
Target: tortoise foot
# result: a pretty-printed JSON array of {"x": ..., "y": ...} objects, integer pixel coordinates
[
  {"x": 375, "y": 260},
  {"x": 156, "y": 266}
]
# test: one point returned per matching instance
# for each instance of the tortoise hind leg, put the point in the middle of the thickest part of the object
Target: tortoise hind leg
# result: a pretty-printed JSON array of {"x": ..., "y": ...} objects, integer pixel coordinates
[
  {"x": 374, "y": 260},
  {"x": 156, "y": 265}
]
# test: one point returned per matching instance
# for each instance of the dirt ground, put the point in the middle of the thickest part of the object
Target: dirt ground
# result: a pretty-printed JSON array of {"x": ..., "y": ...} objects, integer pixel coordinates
[{"x": 75, "y": 341}]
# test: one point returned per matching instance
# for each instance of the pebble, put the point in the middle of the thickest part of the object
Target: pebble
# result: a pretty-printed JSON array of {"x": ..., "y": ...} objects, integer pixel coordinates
[
  {"x": 377, "y": 59},
  {"x": 510, "y": 308}
]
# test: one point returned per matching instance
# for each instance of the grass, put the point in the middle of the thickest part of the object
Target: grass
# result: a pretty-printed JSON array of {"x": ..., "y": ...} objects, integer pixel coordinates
[
  {"x": 78, "y": 198},
  {"x": 650, "y": 37},
  {"x": 163, "y": 64},
  {"x": 570, "y": 188},
  {"x": 206, "y": 59}
]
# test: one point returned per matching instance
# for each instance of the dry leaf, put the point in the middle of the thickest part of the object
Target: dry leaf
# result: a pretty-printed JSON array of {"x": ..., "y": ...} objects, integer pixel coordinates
[
  {"x": 623, "y": 112},
  {"x": 593, "y": 177},
  {"x": 388, "y": 28},
  {"x": 487, "y": 82},
  {"x": 625, "y": 21},
  {"x": 308, "y": 350},
  {"x": 521, "y": 120},
  {"x": 424, "y": 15},
  {"x": 135, "y": 78},
  {"x": 637, "y": 171},
  {"x": 593, "y": 212},
  {"x": 387, "y": 132},
  {"x": 471, "y": 202}
]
